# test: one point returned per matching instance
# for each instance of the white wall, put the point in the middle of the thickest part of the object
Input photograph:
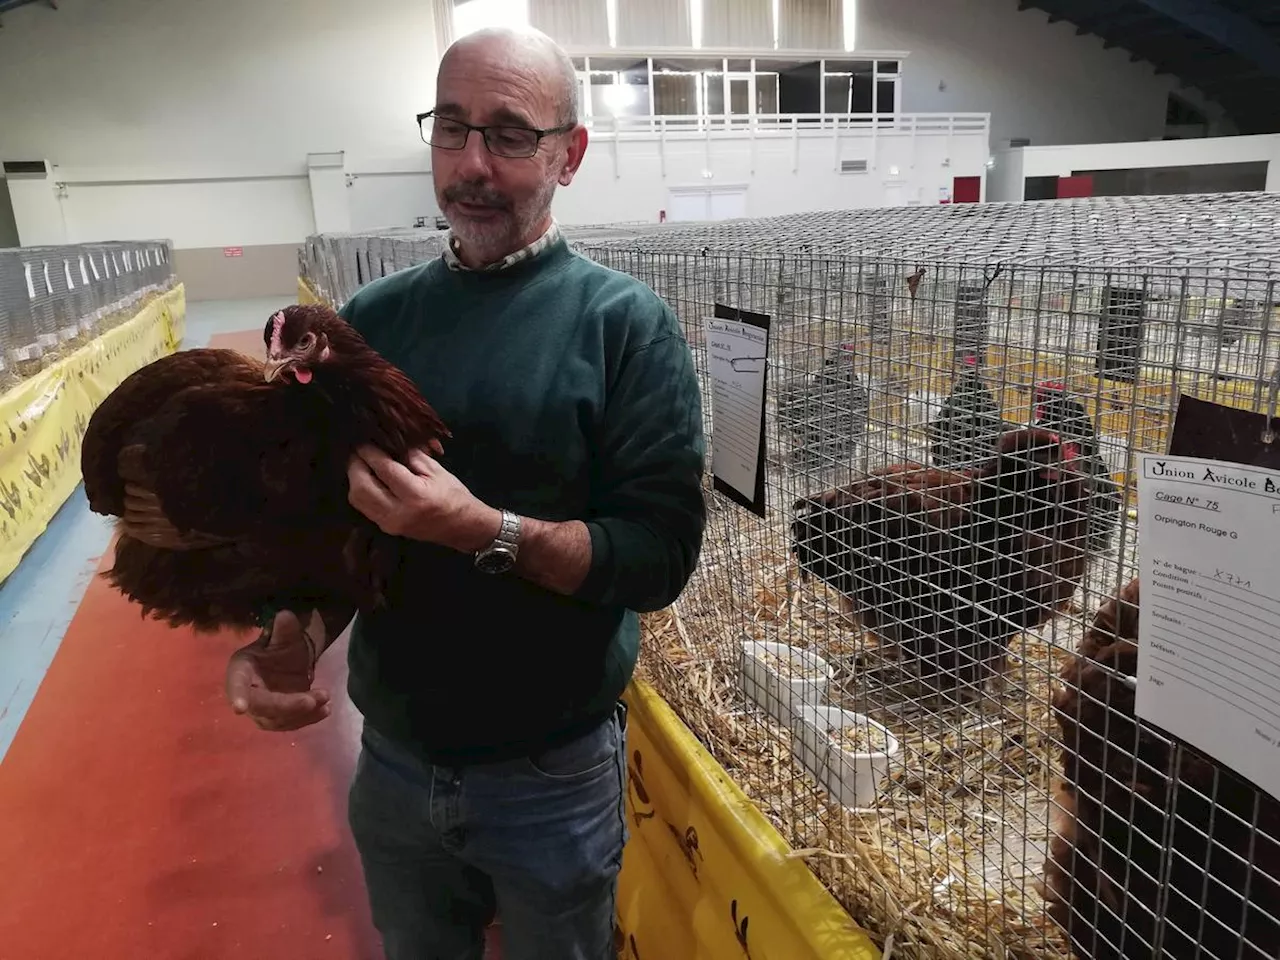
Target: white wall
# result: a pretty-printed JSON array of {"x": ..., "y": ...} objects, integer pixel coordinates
[
  {"x": 127, "y": 94},
  {"x": 781, "y": 174},
  {"x": 192, "y": 120},
  {"x": 391, "y": 194},
  {"x": 1060, "y": 161},
  {"x": 1036, "y": 79}
]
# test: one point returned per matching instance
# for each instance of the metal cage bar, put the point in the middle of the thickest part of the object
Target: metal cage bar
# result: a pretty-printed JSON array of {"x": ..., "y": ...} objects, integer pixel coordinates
[{"x": 928, "y": 691}]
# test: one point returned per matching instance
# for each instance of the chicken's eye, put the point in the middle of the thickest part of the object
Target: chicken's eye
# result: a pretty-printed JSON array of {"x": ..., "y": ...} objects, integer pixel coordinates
[{"x": 307, "y": 340}]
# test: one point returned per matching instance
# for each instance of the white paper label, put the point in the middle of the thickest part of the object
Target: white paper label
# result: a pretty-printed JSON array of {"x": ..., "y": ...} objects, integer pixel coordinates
[
  {"x": 1209, "y": 634},
  {"x": 737, "y": 366}
]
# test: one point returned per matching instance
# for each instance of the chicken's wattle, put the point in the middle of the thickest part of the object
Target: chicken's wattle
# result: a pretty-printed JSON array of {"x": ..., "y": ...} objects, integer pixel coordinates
[{"x": 303, "y": 374}]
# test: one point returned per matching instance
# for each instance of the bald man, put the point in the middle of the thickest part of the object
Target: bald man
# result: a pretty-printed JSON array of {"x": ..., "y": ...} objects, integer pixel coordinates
[{"x": 492, "y": 774}]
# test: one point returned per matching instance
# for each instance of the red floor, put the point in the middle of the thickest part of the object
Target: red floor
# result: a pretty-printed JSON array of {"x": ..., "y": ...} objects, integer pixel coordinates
[{"x": 140, "y": 819}]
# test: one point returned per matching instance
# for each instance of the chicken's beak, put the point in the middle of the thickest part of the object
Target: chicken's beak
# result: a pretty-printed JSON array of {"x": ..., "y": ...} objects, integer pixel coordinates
[{"x": 273, "y": 368}]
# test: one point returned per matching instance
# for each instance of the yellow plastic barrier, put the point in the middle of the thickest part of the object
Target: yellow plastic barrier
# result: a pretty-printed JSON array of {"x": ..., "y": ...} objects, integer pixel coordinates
[
  {"x": 305, "y": 293},
  {"x": 704, "y": 874},
  {"x": 43, "y": 419}
]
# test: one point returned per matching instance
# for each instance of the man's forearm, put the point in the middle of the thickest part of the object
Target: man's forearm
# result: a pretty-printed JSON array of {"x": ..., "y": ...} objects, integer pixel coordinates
[{"x": 554, "y": 555}]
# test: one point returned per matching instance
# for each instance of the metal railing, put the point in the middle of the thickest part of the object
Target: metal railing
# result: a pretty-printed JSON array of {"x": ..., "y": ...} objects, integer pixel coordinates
[{"x": 789, "y": 124}]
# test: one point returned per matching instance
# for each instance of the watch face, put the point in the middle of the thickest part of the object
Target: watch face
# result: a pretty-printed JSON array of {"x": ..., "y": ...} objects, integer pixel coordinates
[{"x": 495, "y": 561}]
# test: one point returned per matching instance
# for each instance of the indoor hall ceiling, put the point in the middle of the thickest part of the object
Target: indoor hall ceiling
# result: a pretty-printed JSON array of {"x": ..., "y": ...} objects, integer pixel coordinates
[{"x": 1228, "y": 49}]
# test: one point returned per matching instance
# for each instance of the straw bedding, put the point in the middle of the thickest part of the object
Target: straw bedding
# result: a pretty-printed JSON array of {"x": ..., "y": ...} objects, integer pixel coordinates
[{"x": 947, "y": 864}]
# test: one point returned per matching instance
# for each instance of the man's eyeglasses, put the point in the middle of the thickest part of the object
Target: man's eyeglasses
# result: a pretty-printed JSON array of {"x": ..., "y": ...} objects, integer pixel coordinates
[{"x": 501, "y": 141}]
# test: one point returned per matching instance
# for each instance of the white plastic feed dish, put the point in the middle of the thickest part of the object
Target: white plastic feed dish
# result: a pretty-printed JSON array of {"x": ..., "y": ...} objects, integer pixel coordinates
[
  {"x": 839, "y": 748},
  {"x": 781, "y": 678}
]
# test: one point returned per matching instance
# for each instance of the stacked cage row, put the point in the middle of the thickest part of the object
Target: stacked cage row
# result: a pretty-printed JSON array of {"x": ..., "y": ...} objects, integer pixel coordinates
[
  {"x": 336, "y": 265},
  {"x": 55, "y": 298}
]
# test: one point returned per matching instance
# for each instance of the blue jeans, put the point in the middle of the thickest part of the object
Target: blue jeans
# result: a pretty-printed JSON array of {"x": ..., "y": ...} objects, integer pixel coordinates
[{"x": 537, "y": 841}]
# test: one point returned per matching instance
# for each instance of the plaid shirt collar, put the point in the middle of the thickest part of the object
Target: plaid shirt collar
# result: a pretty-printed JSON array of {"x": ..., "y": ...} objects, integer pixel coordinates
[{"x": 525, "y": 253}]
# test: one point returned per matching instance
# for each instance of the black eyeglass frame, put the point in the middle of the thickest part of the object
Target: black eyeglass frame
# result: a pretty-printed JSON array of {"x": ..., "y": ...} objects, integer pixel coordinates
[{"x": 484, "y": 132}]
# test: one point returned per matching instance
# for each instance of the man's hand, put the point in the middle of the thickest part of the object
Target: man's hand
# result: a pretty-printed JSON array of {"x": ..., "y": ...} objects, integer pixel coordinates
[
  {"x": 424, "y": 501},
  {"x": 270, "y": 679},
  {"x": 420, "y": 500}
]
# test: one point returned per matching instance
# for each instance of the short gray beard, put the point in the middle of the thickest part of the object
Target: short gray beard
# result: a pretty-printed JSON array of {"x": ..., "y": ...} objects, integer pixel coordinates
[{"x": 490, "y": 242}]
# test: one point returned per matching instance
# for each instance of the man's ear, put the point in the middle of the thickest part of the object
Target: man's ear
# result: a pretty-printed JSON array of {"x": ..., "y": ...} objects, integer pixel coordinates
[{"x": 573, "y": 155}]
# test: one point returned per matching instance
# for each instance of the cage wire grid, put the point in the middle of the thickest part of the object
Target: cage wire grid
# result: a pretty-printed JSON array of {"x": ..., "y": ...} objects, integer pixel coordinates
[
  {"x": 56, "y": 299},
  {"x": 937, "y": 712}
]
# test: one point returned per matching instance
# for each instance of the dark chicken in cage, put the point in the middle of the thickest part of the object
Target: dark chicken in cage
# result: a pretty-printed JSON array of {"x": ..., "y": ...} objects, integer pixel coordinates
[
  {"x": 969, "y": 423},
  {"x": 1054, "y": 409},
  {"x": 826, "y": 412},
  {"x": 947, "y": 566},
  {"x": 1152, "y": 839}
]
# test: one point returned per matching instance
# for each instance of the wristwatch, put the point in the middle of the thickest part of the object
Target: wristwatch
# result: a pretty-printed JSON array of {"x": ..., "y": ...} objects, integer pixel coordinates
[{"x": 500, "y": 556}]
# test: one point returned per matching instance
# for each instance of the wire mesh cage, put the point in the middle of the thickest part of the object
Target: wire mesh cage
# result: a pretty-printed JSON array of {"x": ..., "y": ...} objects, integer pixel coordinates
[
  {"x": 336, "y": 265},
  {"x": 920, "y": 662},
  {"x": 55, "y": 299}
]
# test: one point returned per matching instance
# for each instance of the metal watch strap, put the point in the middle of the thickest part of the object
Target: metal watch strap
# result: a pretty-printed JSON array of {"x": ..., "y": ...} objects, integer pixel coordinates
[
  {"x": 507, "y": 543},
  {"x": 508, "y": 533}
]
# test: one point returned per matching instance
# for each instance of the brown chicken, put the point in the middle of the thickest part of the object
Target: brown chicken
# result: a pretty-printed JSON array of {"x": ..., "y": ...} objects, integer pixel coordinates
[
  {"x": 229, "y": 475},
  {"x": 949, "y": 565},
  {"x": 1128, "y": 848}
]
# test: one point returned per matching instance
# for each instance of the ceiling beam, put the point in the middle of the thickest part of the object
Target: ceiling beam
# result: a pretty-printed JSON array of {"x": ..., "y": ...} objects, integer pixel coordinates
[
  {"x": 7, "y": 5},
  {"x": 1105, "y": 27},
  {"x": 1233, "y": 31}
]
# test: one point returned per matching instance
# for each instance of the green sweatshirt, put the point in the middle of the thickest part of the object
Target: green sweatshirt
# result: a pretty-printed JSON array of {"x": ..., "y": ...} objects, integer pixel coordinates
[{"x": 571, "y": 394}]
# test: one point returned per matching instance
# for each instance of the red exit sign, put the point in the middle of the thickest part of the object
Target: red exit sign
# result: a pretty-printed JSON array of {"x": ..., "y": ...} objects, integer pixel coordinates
[{"x": 233, "y": 251}]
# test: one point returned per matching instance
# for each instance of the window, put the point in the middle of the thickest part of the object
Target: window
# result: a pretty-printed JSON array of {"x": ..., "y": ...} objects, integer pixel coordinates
[
  {"x": 675, "y": 94},
  {"x": 860, "y": 86},
  {"x": 475, "y": 15},
  {"x": 838, "y": 93},
  {"x": 687, "y": 85},
  {"x": 616, "y": 87},
  {"x": 617, "y": 98},
  {"x": 767, "y": 93},
  {"x": 713, "y": 93},
  {"x": 886, "y": 94}
]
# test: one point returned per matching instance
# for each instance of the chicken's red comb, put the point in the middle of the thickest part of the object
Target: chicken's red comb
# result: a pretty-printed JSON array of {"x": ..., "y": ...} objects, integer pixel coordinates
[
  {"x": 277, "y": 324},
  {"x": 1070, "y": 449},
  {"x": 1046, "y": 386}
]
